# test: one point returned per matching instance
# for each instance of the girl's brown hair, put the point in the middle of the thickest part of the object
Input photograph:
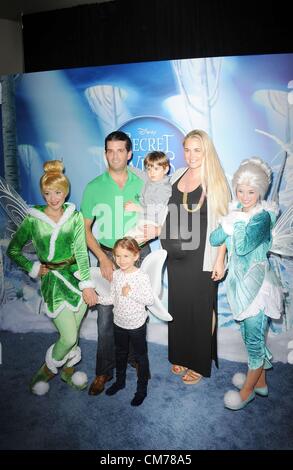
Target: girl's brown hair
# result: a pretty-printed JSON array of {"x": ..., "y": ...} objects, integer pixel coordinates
[{"x": 128, "y": 243}]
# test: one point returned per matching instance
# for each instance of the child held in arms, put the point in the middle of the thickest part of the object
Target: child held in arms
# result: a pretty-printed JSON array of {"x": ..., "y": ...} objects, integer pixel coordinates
[{"x": 155, "y": 195}]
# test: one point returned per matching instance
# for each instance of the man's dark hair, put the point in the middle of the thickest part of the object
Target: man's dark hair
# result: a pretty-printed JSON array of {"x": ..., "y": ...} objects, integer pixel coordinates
[{"x": 119, "y": 135}]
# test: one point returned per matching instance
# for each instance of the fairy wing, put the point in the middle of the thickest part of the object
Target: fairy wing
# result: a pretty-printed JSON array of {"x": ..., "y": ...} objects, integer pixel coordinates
[
  {"x": 102, "y": 286},
  {"x": 158, "y": 309},
  {"x": 282, "y": 234},
  {"x": 12, "y": 203},
  {"x": 15, "y": 208},
  {"x": 153, "y": 265}
]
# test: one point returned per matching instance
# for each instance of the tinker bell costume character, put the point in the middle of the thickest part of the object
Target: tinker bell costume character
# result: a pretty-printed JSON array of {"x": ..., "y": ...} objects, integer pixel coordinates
[
  {"x": 253, "y": 290},
  {"x": 58, "y": 235}
]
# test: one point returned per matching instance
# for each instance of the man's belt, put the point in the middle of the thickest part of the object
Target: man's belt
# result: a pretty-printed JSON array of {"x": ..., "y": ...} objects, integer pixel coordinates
[{"x": 62, "y": 264}]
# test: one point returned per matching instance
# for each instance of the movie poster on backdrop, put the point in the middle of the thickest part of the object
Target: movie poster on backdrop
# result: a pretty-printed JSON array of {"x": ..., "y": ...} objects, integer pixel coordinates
[{"x": 244, "y": 102}]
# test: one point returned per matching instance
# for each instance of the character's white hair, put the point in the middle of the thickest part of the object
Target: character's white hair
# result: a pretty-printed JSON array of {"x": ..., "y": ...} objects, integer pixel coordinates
[{"x": 253, "y": 172}]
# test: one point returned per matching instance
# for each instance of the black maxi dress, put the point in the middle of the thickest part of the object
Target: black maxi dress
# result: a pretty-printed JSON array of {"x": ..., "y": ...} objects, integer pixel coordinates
[{"x": 191, "y": 291}]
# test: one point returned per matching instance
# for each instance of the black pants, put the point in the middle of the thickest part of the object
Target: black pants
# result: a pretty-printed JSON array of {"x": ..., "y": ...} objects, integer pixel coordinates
[{"x": 137, "y": 338}]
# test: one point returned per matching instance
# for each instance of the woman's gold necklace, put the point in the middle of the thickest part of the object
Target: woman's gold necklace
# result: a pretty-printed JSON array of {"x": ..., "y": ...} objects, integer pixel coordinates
[{"x": 197, "y": 206}]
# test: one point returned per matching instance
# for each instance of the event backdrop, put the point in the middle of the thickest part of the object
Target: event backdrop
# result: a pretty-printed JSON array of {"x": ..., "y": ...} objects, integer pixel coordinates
[{"x": 245, "y": 103}]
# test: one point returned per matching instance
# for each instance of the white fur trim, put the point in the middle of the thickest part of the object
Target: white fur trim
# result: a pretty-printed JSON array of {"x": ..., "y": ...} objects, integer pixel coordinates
[
  {"x": 74, "y": 356},
  {"x": 233, "y": 205},
  {"x": 270, "y": 206},
  {"x": 67, "y": 283},
  {"x": 290, "y": 357},
  {"x": 232, "y": 399},
  {"x": 241, "y": 216},
  {"x": 85, "y": 284},
  {"x": 61, "y": 307},
  {"x": 290, "y": 344},
  {"x": 41, "y": 388},
  {"x": 35, "y": 269},
  {"x": 238, "y": 379},
  {"x": 231, "y": 218},
  {"x": 53, "y": 239},
  {"x": 70, "y": 208},
  {"x": 263, "y": 205},
  {"x": 79, "y": 378},
  {"x": 52, "y": 364},
  {"x": 41, "y": 216},
  {"x": 227, "y": 227}
]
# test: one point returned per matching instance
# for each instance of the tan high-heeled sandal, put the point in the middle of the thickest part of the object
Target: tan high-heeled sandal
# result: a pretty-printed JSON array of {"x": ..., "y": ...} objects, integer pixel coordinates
[
  {"x": 191, "y": 377},
  {"x": 178, "y": 370}
]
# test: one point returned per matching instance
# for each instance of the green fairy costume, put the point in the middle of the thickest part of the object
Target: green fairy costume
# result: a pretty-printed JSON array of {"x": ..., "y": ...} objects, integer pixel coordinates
[{"x": 62, "y": 248}]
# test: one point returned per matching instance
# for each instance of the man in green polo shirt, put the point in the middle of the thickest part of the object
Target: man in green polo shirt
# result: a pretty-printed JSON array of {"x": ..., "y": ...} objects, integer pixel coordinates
[{"x": 103, "y": 200}]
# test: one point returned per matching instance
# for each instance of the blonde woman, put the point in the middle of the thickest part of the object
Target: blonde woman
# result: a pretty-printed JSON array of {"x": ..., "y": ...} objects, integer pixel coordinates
[
  {"x": 200, "y": 196},
  {"x": 58, "y": 234}
]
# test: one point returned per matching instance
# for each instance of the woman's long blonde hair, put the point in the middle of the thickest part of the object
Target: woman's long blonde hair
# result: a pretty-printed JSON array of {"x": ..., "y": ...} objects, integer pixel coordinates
[
  {"x": 213, "y": 179},
  {"x": 53, "y": 177}
]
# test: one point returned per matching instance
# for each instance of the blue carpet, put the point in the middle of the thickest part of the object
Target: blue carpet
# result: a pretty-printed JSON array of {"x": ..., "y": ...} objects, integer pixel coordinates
[{"x": 174, "y": 416}]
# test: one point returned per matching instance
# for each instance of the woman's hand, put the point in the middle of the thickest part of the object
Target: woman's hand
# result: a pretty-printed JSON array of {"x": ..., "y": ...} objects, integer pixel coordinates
[
  {"x": 218, "y": 271},
  {"x": 90, "y": 296}
]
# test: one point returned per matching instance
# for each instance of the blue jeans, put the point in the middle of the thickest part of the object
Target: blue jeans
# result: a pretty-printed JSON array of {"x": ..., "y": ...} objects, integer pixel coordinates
[{"x": 105, "y": 359}]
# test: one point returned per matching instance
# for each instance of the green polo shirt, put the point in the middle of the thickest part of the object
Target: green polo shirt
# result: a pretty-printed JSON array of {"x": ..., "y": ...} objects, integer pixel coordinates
[{"x": 104, "y": 200}]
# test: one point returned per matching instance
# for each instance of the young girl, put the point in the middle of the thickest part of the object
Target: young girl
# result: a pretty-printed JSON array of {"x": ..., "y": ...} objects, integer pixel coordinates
[
  {"x": 57, "y": 232},
  {"x": 253, "y": 290},
  {"x": 130, "y": 292}
]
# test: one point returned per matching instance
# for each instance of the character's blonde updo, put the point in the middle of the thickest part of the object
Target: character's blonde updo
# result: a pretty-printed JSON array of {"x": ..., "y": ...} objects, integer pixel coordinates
[
  {"x": 53, "y": 177},
  {"x": 253, "y": 172}
]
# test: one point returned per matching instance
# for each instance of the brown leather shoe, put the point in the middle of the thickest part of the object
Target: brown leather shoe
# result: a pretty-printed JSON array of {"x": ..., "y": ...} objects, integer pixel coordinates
[{"x": 98, "y": 385}]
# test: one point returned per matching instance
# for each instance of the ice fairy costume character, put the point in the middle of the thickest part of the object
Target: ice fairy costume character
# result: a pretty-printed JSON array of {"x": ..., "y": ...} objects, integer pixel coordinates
[
  {"x": 58, "y": 235},
  {"x": 253, "y": 290}
]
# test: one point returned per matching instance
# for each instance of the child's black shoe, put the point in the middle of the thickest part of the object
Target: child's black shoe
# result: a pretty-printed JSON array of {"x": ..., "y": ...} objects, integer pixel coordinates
[
  {"x": 138, "y": 399},
  {"x": 114, "y": 388}
]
